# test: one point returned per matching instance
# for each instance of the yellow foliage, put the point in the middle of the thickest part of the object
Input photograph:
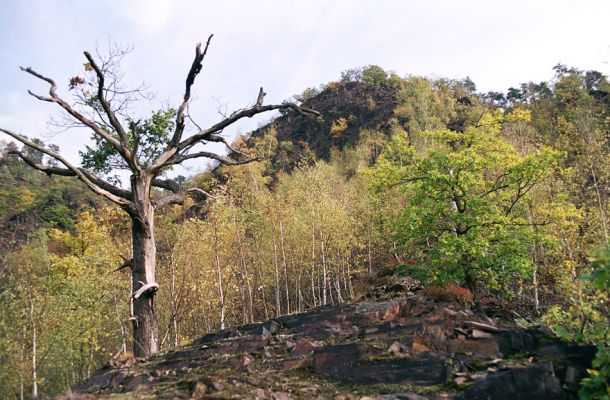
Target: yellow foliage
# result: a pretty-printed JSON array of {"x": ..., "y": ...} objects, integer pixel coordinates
[
  {"x": 519, "y": 114},
  {"x": 338, "y": 127}
]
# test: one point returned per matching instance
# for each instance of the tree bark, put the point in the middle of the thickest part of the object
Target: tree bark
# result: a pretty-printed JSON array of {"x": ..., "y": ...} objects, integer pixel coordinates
[{"x": 145, "y": 331}]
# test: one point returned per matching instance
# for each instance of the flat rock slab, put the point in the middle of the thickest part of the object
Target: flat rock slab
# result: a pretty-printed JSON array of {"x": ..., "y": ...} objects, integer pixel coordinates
[
  {"x": 349, "y": 364},
  {"x": 535, "y": 382}
]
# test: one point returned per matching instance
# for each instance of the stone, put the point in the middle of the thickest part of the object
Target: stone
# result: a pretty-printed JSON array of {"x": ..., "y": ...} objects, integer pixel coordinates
[
  {"x": 294, "y": 363},
  {"x": 460, "y": 380},
  {"x": 306, "y": 347},
  {"x": 478, "y": 334},
  {"x": 472, "y": 349},
  {"x": 482, "y": 326},
  {"x": 402, "y": 396},
  {"x": 419, "y": 347},
  {"x": 252, "y": 344},
  {"x": 398, "y": 349},
  {"x": 392, "y": 312},
  {"x": 534, "y": 382},
  {"x": 138, "y": 382},
  {"x": 269, "y": 328},
  {"x": 260, "y": 394}
]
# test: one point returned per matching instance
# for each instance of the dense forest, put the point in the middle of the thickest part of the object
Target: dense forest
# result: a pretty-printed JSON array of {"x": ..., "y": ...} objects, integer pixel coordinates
[{"x": 504, "y": 196}]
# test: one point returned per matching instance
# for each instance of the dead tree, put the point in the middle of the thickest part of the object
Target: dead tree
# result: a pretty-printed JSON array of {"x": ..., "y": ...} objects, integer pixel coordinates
[{"x": 118, "y": 131}]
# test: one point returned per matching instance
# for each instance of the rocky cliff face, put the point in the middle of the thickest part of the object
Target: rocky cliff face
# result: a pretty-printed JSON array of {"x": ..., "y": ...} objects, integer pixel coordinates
[{"x": 407, "y": 347}]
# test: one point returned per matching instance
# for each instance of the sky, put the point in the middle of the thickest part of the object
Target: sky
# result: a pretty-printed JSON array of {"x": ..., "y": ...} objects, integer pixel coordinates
[{"x": 284, "y": 46}]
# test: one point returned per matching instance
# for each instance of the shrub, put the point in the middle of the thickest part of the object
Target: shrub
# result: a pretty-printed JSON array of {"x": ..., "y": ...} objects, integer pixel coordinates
[{"x": 449, "y": 293}]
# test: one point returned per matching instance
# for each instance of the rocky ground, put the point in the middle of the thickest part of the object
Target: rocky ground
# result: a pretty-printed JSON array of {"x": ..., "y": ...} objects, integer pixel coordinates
[{"x": 407, "y": 347}]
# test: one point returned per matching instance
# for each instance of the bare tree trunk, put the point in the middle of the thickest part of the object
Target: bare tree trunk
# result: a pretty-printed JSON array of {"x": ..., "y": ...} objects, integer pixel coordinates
[
  {"x": 313, "y": 265},
  {"x": 172, "y": 298},
  {"x": 21, "y": 366},
  {"x": 370, "y": 258},
  {"x": 324, "y": 272},
  {"x": 247, "y": 280},
  {"x": 143, "y": 274},
  {"x": 221, "y": 294},
  {"x": 278, "y": 305},
  {"x": 34, "y": 367},
  {"x": 349, "y": 281},
  {"x": 285, "y": 265},
  {"x": 299, "y": 292}
]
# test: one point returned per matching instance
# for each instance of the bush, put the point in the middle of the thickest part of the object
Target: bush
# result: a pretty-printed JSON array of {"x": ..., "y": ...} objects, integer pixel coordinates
[{"x": 449, "y": 293}]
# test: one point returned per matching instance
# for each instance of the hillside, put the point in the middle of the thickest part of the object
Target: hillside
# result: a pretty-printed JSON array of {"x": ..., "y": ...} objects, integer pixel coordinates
[
  {"x": 361, "y": 106},
  {"x": 497, "y": 203}
]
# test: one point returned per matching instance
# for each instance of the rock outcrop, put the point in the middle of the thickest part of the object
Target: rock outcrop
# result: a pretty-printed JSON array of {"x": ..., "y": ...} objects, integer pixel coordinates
[{"x": 402, "y": 348}]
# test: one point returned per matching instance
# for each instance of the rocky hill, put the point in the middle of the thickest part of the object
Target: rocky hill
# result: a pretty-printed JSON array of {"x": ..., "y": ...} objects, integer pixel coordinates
[
  {"x": 406, "y": 347},
  {"x": 346, "y": 109}
]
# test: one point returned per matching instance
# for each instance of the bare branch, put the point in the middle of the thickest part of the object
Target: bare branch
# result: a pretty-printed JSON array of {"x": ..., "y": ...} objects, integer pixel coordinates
[
  {"x": 83, "y": 175},
  {"x": 174, "y": 198},
  {"x": 106, "y": 106},
  {"x": 123, "y": 150},
  {"x": 126, "y": 264},
  {"x": 190, "y": 80},
  {"x": 52, "y": 170},
  {"x": 149, "y": 287},
  {"x": 201, "y": 191},
  {"x": 246, "y": 113},
  {"x": 261, "y": 97},
  {"x": 167, "y": 184},
  {"x": 220, "y": 139},
  {"x": 210, "y": 155},
  {"x": 178, "y": 198}
]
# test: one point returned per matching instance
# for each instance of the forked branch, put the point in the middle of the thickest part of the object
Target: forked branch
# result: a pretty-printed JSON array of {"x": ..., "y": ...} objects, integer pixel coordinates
[
  {"x": 84, "y": 176},
  {"x": 54, "y": 98}
]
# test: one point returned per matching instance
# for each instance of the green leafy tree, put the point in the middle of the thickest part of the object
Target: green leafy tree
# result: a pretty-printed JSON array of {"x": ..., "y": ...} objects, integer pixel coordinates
[{"x": 466, "y": 194}]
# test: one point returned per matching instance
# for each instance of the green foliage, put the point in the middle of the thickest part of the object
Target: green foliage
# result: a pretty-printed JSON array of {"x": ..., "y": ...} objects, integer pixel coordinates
[
  {"x": 587, "y": 320},
  {"x": 69, "y": 299},
  {"x": 595, "y": 386},
  {"x": 148, "y": 137},
  {"x": 515, "y": 200},
  {"x": 372, "y": 75},
  {"x": 467, "y": 195}
]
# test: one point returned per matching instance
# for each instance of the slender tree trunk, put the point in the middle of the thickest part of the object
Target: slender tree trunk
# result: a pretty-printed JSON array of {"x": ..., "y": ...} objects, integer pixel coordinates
[
  {"x": 370, "y": 257},
  {"x": 349, "y": 280},
  {"x": 278, "y": 304},
  {"x": 174, "y": 306},
  {"x": 299, "y": 292},
  {"x": 144, "y": 265},
  {"x": 21, "y": 366},
  {"x": 534, "y": 261},
  {"x": 34, "y": 367},
  {"x": 313, "y": 265},
  {"x": 324, "y": 272},
  {"x": 221, "y": 294},
  {"x": 285, "y": 265},
  {"x": 248, "y": 278}
]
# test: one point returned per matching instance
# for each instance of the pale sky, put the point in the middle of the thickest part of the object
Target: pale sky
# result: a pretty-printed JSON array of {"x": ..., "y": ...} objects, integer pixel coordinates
[{"x": 286, "y": 46}]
